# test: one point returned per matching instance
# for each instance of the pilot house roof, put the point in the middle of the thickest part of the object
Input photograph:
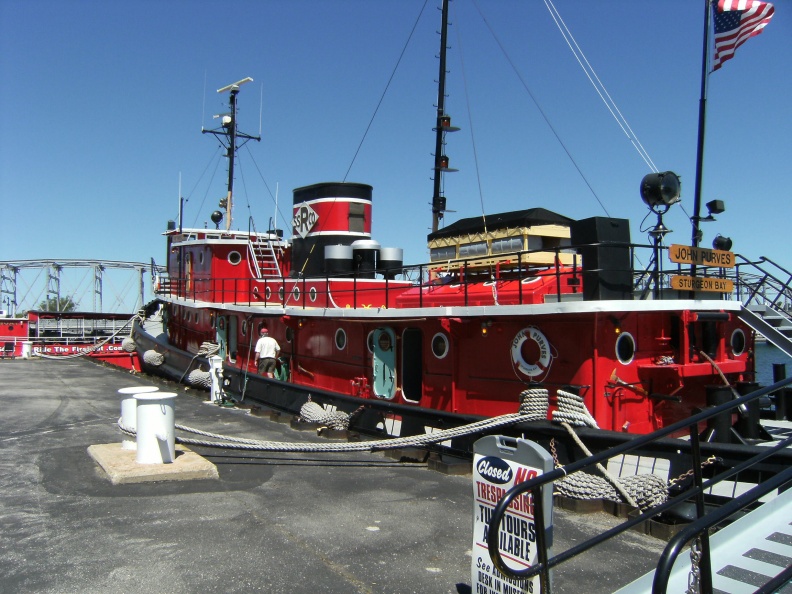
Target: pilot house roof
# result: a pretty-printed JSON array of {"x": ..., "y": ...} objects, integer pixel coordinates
[{"x": 505, "y": 220}]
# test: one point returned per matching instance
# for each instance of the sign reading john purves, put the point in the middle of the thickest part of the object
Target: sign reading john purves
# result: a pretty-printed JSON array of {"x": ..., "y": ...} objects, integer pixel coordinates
[{"x": 684, "y": 254}]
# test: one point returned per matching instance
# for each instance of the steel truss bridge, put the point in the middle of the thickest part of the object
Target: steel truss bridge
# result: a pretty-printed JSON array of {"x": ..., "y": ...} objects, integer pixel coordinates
[{"x": 26, "y": 284}]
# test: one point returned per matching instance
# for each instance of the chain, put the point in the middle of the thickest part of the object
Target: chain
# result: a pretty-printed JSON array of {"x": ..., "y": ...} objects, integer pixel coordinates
[
  {"x": 554, "y": 453},
  {"x": 694, "y": 577},
  {"x": 689, "y": 473}
]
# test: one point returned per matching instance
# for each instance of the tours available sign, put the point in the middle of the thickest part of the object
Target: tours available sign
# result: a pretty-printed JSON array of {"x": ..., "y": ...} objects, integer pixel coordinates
[{"x": 499, "y": 463}]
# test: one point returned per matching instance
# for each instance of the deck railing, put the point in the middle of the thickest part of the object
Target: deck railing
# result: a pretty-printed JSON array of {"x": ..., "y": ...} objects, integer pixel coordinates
[{"x": 762, "y": 280}]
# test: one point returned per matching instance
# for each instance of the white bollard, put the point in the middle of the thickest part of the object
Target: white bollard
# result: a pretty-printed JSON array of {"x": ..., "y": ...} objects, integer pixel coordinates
[
  {"x": 156, "y": 432},
  {"x": 129, "y": 413},
  {"x": 216, "y": 371}
]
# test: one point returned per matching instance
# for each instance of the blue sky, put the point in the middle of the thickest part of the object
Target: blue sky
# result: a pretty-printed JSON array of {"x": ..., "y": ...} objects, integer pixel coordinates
[{"x": 102, "y": 105}]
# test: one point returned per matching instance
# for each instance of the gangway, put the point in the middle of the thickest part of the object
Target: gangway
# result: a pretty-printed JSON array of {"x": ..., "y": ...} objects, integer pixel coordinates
[{"x": 745, "y": 555}]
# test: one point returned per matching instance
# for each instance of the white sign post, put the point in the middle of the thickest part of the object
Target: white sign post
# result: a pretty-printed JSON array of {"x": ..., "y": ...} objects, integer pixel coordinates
[{"x": 499, "y": 463}]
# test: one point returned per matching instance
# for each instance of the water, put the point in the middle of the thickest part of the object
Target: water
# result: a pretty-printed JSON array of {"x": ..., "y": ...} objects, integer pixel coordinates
[{"x": 766, "y": 356}]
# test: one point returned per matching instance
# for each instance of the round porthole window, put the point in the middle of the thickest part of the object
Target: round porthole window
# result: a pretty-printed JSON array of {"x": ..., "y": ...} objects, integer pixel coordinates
[
  {"x": 234, "y": 258},
  {"x": 738, "y": 342},
  {"x": 267, "y": 293},
  {"x": 440, "y": 345},
  {"x": 340, "y": 339},
  {"x": 625, "y": 348},
  {"x": 281, "y": 292},
  {"x": 312, "y": 294},
  {"x": 384, "y": 341},
  {"x": 296, "y": 293}
]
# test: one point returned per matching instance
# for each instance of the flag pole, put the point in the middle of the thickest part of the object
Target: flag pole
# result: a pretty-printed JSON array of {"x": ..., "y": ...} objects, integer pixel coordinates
[{"x": 701, "y": 122}]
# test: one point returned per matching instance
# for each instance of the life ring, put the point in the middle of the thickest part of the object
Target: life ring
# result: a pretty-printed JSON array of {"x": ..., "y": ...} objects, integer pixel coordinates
[{"x": 542, "y": 364}]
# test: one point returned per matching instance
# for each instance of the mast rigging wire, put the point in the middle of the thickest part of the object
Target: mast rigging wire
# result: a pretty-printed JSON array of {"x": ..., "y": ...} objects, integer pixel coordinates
[
  {"x": 599, "y": 86},
  {"x": 384, "y": 92},
  {"x": 470, "y": 123},
  {"x": 541, "y": 111}
]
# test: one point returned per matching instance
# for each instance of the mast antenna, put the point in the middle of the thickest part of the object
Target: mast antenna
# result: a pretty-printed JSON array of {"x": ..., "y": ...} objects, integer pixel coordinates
[{"x": 228, "y": 131}]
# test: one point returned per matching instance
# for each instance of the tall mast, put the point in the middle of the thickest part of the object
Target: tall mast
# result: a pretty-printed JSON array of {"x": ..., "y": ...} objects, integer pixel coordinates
[
  {"x": 229, "y": 132},
  {"x": 442, "y": 126}
]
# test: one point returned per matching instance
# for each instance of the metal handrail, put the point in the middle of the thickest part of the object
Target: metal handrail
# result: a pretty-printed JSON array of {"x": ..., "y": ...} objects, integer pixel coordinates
[{"x": 537, "y": 485}]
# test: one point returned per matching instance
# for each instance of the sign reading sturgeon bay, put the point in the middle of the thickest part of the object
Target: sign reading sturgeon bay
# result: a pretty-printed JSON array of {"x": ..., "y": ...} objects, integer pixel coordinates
[
  {"x": 684, "y": 254},
  {"x": 702, "y": 283},
  {"x": 499, "y": 463}
]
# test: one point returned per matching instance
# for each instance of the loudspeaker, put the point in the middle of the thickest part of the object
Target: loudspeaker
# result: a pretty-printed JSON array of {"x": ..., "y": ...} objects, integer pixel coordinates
[
  {"x": 605, "y": 257},
  {"x": 600, "y": 285},
  {"x": 600, "y": 230}
]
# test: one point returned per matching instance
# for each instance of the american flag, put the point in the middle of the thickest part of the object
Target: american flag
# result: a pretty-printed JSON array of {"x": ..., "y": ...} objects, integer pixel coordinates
[{"x": 735, "y": 22}]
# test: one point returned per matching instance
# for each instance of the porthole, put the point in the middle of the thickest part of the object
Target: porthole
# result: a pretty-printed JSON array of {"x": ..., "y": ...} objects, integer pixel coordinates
[
  {"x": 234, "y": 258},
  {"x": 340, "y": 339},
  {"x": 370, "y": 342},
  {"x": 440, "y": 345},
  {"x": 244, "y": 327},
  {"x": 200, "y": 257},
  {"x": 625, "y": 348},
  {"x": 267, "y": 293},
  {"x": 281, "y": 292},
  {"x": 384, "y": 341},
  {"x": 530, "y": 279},
  {"x": 296, "y": 293},
  {"x": 738, "y": 342},
  {"x": 312, "y": 294}
]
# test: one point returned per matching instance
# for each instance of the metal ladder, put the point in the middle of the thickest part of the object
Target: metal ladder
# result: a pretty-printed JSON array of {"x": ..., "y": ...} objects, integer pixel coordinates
[{"x": 264, "y": 258}]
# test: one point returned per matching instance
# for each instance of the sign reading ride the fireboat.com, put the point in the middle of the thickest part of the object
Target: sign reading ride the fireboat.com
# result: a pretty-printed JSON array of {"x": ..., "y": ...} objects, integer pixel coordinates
[{"x": 499, "y": 463}]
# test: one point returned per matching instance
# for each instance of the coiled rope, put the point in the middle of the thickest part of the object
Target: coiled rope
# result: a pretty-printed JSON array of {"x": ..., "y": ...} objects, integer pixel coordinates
[
  {"x": 201, "y": 378},
  {"x": 639, "y": 491}
]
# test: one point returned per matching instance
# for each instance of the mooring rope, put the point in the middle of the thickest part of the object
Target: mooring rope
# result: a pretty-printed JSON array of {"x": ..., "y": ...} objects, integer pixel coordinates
[{"x": 239, "y": 443}]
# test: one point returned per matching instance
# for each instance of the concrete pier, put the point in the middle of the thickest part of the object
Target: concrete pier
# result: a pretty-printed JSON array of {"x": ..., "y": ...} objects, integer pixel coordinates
[{"x": 270, "y": 522}]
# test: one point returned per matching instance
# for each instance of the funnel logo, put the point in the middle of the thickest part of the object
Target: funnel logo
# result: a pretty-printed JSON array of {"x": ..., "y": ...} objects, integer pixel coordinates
[
  {"x": 495, "y": 470},
  {"x": 305, "y": 218}
]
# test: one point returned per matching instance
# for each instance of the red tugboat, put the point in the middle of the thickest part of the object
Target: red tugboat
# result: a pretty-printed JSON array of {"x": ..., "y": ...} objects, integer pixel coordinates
[{"x": 508, "y": 301}]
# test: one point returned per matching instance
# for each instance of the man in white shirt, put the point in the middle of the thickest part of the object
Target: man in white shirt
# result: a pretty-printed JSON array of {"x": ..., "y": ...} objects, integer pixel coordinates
[{"x": 267, "y": 349}]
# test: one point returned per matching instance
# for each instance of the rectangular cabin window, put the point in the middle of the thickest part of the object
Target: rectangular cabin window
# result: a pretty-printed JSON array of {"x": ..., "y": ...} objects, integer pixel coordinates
[
  {"x": 506, "y": 245},
  {"x": 442, "y": 253},
  {"x": 357, "y": 217},
  {"x": 534, "y": 242},
  {"x": 471, "y": 250}
]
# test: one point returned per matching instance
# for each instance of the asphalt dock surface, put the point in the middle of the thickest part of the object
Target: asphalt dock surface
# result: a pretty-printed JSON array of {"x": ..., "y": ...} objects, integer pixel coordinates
[{"x": 272, "y": 522}]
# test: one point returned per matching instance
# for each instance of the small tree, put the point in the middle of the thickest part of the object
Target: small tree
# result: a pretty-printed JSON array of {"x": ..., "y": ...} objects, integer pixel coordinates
[{"x": 62, "y": 304}]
